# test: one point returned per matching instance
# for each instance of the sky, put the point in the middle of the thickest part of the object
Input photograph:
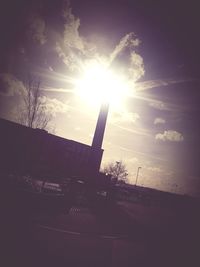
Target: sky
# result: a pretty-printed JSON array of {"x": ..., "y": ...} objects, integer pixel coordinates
[{"x": 153, "y": 45}]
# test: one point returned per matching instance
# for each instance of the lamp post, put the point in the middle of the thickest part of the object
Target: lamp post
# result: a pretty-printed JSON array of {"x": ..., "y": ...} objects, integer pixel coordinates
[
  {"x": 137, "y": 175},
  {"x": 126, "y": 174}
]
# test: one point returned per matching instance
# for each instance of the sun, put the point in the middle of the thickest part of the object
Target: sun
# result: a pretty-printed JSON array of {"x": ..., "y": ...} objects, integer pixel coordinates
[{"x": 99, "y": 84}]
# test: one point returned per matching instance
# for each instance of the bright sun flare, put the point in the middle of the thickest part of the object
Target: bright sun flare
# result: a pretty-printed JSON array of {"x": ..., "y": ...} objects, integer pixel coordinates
[{"x": 99, "y": 84}]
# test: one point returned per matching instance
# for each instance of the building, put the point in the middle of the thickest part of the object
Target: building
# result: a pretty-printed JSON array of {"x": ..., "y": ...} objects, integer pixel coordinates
[{"x": 38, "y": 153}]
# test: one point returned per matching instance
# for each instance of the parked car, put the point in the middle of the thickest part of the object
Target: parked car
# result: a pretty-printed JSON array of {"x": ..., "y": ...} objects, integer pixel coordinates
[{"x": 52, "y": 188}]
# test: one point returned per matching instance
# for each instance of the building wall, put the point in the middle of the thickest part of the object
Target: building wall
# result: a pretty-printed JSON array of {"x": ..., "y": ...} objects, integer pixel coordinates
[{"x": 36, "y": 152}]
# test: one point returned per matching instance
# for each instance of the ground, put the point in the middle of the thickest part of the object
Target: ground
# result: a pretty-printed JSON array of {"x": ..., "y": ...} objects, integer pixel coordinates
[{"x": 120, "y": 234}]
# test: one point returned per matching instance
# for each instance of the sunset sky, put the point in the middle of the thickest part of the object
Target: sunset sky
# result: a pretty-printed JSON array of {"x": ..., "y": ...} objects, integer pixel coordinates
[{"x": 152, "y": 47}]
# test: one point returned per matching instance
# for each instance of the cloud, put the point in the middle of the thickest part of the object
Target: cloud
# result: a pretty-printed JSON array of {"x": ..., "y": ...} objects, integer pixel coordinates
[
  {"x": 37, "y": 29},
  {"x": 170, "y": 135},
  {"x": 67, "y": 56},
  {"x": 136, "y": 69},
  {"x": 125, "y": 50},
  {"x": 136, "y": 130},
  {"x": 159, "y": 121},
  {"x": 128, "y": 41},
  {"x": 124, "y": 116},
  {"x": 72, "y": 48},
  {"x": 59, "y": 90},
  {"x": 133, "y": 160},
  {"x": 155, "y": 169},
  {"x": 158, "y": 105},
  {"x": 62, "y": 55},
  {"x": 72, "y": 38},
  {"x": 53, "y": 106},
  {"x": 10, "y": 85},
  {"x": 142, "y": 86}
]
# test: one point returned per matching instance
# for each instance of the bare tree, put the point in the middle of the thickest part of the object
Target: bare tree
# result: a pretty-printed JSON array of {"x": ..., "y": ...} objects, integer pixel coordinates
[
  {"x": 33, "y": 112},
  {"x": 117, "y": 170}
]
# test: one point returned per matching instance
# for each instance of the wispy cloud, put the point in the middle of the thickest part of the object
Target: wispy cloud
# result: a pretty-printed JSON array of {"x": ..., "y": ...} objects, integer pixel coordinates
[
  {"x": 128, "y": 41},
  {"x": 134, "y": 67},
  {"x": 159, "y": 121},
  {"x": 124, "y": 116},
  {"x": 159, "y": 105},
  {"x": 142, "y": 86},
  {"x": 53, "y": 106},
  {"x": 72, "y": 48},
  {"x": 138, "y": 131},
  {"x": 72, "y": 38},
  {"x": 133, "y": 160},
  {"x": 170, "y": 135},
  {"x": 59, "y": 90},
  {"x": 10, "y": 85},
  {"x": 55, "y": 77},
  {"x": 68, "y": 57},
  {"x": 36, "y": 29},
  {"x": 155, "y": 169}
]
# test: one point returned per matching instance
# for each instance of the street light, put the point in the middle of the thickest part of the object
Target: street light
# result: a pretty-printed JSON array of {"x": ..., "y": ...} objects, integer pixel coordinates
[
  {"x": 117, "y": 171},
  {"x": 137, "y": 175},
  {"x": 126, "y": 174}
]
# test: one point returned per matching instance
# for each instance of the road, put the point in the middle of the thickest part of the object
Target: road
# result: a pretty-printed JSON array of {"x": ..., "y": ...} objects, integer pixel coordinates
[
  {"x": 122, "y": 234},
  {"x": 85, "y": 239}
]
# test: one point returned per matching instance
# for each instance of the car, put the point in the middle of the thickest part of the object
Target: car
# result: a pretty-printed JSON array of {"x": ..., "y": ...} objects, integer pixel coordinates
[{"x": 52, "y": 188}]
